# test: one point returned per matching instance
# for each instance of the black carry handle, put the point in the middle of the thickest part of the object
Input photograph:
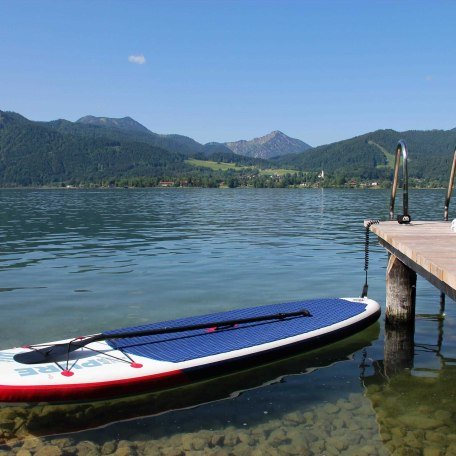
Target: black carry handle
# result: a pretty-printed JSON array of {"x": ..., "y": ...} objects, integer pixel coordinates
[{"x": 50, "y": 353}]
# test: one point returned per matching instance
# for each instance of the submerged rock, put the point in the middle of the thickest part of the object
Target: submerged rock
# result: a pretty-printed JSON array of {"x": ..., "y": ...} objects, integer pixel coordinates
[
  {"x": 23, "y": 452},
  {"x": 419, "y": 422},
  {"x": 108, "y": 447},
  {"x": 87, "y": 448},
  {"x": 49, "y": 450},
  {"x": 32, "y": 443}
]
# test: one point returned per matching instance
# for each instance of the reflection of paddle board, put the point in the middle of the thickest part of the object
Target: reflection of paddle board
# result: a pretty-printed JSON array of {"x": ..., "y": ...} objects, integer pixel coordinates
[{"x": 121, "y": 366}]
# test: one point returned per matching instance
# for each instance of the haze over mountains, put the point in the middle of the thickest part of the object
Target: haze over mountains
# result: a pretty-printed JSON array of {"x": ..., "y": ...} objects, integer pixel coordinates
[{"x": 100, "y": 149}]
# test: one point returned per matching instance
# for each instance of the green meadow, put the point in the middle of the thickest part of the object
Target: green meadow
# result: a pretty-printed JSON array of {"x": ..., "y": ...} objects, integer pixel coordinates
[{"x": 220, "y": 166}]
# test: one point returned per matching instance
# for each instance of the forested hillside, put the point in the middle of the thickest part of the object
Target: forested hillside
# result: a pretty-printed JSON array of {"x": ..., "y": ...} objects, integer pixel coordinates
[
  {"x": 33, "y": 153},
  {"x": 371, "y": 156},
  {"x": 101, "y": 151},
  {"x": 63, "y": 152}
]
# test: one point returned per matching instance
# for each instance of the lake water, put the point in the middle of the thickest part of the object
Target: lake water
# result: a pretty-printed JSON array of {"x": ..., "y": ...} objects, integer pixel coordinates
[{"x": 79, "y": 261}]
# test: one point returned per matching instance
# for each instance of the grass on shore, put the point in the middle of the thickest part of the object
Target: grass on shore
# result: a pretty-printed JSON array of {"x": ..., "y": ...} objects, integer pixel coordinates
[{"x": 220, "y": 166}]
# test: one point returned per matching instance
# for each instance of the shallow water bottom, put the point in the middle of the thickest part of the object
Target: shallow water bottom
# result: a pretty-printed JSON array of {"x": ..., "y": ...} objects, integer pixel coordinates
[
  {"x": 347, "y": 426},
  {"x": 384, "y": 420}
]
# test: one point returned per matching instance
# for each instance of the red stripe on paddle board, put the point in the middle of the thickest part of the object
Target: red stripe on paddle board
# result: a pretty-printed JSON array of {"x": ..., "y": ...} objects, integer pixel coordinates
[{"x": 90, "y": 391}]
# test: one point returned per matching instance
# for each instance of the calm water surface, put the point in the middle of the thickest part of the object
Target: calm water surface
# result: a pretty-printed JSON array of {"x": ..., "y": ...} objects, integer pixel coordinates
[{"x": 77, "y": 262}]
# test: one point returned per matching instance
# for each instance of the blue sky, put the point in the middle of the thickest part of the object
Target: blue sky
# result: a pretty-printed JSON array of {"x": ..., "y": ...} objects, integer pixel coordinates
[{"x": 224, "y": 70}]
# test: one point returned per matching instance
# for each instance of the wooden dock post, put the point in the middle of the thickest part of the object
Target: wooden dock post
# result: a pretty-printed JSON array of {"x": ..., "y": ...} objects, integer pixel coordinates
[{"x": 400, "y": 291}]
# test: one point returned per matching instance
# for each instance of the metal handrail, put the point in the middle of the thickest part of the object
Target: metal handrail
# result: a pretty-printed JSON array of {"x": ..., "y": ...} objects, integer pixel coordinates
[
  {"x": 401, "y": 149},
  {"x": 450, "y": 188}
]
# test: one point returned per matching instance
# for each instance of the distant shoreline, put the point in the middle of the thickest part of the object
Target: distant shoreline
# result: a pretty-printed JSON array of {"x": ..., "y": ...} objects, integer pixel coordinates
[{"x": 49, "y": 187}]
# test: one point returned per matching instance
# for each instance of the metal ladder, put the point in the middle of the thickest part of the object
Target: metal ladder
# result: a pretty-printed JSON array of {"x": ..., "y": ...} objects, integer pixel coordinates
[
  {"x": 445, "y": 217},
  {"x": 401, "y": 149},
  {"x": 450, "y": 188}
]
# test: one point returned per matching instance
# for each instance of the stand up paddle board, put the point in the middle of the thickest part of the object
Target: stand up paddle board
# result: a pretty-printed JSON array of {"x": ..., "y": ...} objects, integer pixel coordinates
[{"x": 166, "y": 354}]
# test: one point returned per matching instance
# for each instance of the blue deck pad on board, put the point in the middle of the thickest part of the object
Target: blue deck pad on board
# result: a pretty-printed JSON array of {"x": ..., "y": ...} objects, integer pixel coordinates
[{"x": 193, "y": 344}]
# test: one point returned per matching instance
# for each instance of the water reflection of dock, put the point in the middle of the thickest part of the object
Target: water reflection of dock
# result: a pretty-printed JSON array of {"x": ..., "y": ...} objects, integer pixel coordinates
[{"x": 414, "y": 398}]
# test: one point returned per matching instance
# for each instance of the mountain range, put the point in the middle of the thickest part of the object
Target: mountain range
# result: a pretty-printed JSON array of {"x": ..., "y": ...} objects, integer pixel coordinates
[
  {"x": 95, "y": 149},
  {"x": 274, "y": 144}
]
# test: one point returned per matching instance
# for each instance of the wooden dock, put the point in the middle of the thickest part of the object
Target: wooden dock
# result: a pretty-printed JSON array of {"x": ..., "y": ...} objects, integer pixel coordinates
[{"x": 426, "y": 248}]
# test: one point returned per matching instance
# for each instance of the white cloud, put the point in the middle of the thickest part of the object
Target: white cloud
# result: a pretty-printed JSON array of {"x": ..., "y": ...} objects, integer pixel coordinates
[{"x": 138, "y": 59}]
